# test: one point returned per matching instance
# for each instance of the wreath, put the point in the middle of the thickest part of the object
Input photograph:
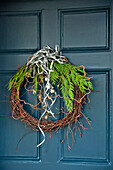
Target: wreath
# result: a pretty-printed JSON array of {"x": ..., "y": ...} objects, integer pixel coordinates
[{"x": 48, "y": 69}]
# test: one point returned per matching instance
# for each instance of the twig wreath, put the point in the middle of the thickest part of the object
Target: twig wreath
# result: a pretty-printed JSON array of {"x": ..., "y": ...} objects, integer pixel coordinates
[{"x": 48, "y": 68}]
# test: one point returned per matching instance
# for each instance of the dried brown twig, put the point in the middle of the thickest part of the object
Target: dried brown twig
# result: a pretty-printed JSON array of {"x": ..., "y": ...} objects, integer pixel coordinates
[{"x": 47, "y": 125}]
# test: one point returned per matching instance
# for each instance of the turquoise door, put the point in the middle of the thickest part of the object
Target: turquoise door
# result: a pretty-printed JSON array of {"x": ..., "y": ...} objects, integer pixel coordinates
[{"x": 83, "y": 30}]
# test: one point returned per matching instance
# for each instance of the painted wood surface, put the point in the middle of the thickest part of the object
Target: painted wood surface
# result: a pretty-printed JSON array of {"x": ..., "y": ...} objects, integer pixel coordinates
[{"x": 83, "y": 30}]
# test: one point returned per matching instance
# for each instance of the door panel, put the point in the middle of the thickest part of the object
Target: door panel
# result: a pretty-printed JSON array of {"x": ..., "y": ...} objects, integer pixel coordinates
[
  {"x": 83, "y": 30},
  {"x": 27, "y": 25},
  {"x": 89, "y": 26},
  {"x": 85, "y": 149}
]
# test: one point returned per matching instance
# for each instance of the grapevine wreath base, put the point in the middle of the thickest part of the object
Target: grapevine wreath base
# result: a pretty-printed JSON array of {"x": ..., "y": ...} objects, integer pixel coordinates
[
  {"x": 74, "y": 85},
  {"x": 47, "y": 126}
]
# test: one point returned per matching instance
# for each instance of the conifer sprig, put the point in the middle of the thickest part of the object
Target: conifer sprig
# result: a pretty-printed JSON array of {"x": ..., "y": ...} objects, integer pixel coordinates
[{"x": 66, "y": 75}]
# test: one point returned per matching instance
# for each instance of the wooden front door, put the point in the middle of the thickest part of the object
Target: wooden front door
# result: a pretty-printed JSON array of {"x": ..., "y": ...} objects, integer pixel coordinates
[{"x": 83, "y": 30}]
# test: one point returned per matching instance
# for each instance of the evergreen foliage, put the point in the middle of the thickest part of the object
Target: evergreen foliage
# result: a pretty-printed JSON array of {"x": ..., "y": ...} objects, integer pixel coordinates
[{"x": 66, "y": 75}]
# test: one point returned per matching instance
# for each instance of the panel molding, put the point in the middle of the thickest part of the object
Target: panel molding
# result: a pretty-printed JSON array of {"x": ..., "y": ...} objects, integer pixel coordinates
[
  {"x": 38, "y": 14},
  {"x": 99, "y": 10},
  {"x": 36, "y": 158},
  {"x": 88, "y": 160}
]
